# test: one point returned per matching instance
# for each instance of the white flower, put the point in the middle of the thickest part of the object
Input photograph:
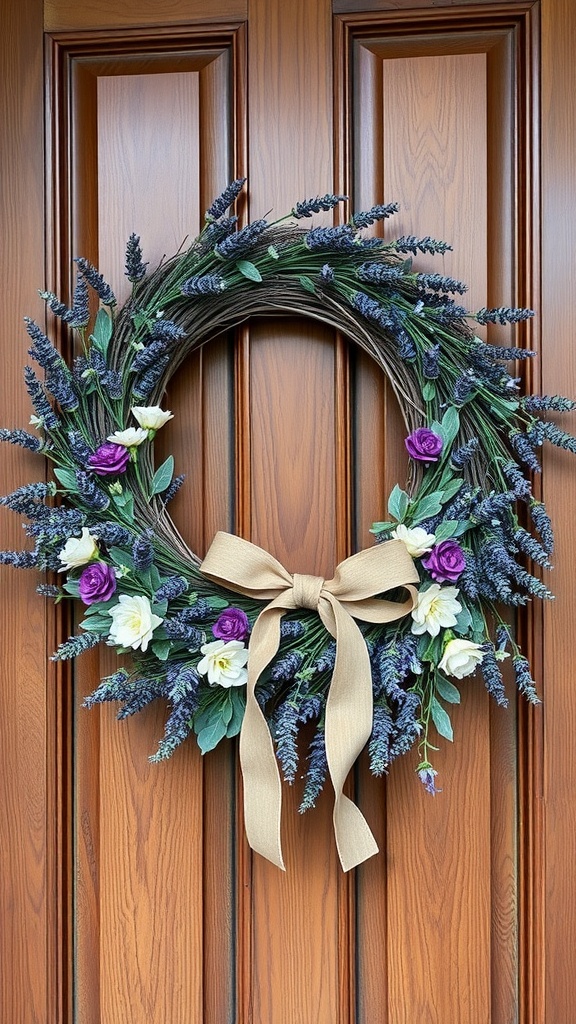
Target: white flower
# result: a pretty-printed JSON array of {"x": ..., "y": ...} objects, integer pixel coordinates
[
  {"x": 78, "y": 551},
  {"x": 129, "y": 438},
  {"x": 460, "y": 658},
  {"x": 133, "y": 622},
  {"x": 435, "y": 607},
  {"x": 36, "y": 421},
  {"x": 417, "y": 541},
  {"x": 151, "y": 417},
  {"x": 224, "y": 662}
]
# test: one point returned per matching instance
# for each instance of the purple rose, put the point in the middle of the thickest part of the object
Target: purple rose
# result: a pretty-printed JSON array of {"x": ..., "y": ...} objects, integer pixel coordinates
[
  {"x": 424, "y": 445},
  {"x": 232, "y": 624},
  {"x": 109, "y": 459},
  {"x": 445, "y": 562},
  {"x": 97, "y": 583}
]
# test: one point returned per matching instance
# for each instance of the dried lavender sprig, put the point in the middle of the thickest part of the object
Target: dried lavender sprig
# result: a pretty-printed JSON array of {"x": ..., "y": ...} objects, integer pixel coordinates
[
  {"x": 79, "y": 447},
  {"x": 41, "y": 405},
  {"x": 379, "y": 744},
  {"x": 179, "y": 725},
  {"x": 460, "y": 457},
  {"x": 409, "y": 243},
  {"x": 143, "y": 551},
  {"x": 531, "y": 547},
  {"x": 524, "y": 450},
  {"x": 364, "y": 218},
  {"x": 171, "y": 589},
  {"x": 520, "y": 485},
  {"x": 90, "y": 493},
  {"x": 204, "y": 284},
  {"x": 316, "y": 771},
  {"x": 148, "y": 381},
  {"x": 541, "y": 520},
  {"x": 175, "y": 486},
  {"x": 225, "y": 199},
  {"x": 492, "y": 675},
  {"x": 140, "y": 693},
  {"x": 309, "y": 206},
  {"x": 332, "y": 239},
  {"x": 503, "y": 315},
  {"x": 379, "y": 273},
  {"x": 76, "y": 645},
  {"x": 236, "y": 245},
  {"x": 96, "y": 281},
  {"x": 547, "y": 403},
  {"x": 524, "y": 680},
  {"x": 134, "y": 268},
  {"x": 114, "y": 687},
  {"x": 439, "y": 283},
  {"x": 431, "y": 362},
  {"x": 22, "y": 438},
  {"x": 112, "y": 534},
  {"x": 20, "y": 559}
]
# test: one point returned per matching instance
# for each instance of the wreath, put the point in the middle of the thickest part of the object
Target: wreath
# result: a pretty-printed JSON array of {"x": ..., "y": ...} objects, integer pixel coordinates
[{"x": 236, "y": 643}]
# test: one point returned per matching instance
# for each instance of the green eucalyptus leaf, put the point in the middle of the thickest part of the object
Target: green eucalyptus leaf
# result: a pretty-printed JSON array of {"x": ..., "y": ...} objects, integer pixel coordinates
[
  {"x": 307, "y": 284},
  {"x": 161, "y": 649},
  {"x": 249, "y": 270},
  {"x": 451, "y": 489},
  {"x": 67, "y": 478},
  {"x": 121, "y": 558},
  {"x": 429, "y": 505},
  {"x": 163, "y": 476},
  {"x": 239, "y": 706},
  {"x": 441, "y": 720},
  {"x": 210, "y": 736},
  {"x": 429, "y": 391},
  {"x": 72, "y": 587},
  {"x": 446, "y": 529},
  {"x": 398, "y": 503},
  {"x": 381, "y": 527},
  {"x": 100, "y": 338},
  {"x": 450, "y": 425},
  {"x": 446, "y": 689}
]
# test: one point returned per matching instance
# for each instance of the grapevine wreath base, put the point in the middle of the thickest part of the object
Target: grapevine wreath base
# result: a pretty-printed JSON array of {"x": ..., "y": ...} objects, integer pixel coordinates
[{"x": 238, "y": 644}]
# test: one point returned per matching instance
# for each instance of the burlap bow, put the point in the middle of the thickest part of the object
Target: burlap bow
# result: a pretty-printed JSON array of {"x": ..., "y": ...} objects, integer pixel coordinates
[{"x": 247, "y": 569}]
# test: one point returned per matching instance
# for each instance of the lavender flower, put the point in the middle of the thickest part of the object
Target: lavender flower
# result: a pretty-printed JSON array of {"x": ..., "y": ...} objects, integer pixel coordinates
[
  {"x": 284, "y": 669},
  {"x": 225, "y": 199},
  {"x": 148, "y": 381},
  {"x": 492, "y": 675},
  {"x": 335, "y": 239},
  {"x": 19, "y": 559},
  {"x": 379, "y": 273},
  {"x": 112, "y": 687},
  {"x": 204, "y": 284},
  {"x": 379, "y": 744},
  {"x": 546, "y": 403},
  {"x": 503, "y": 315},
  {"x": 438, "y": 283},
  {"x": 427, "y": 776},
  {"x": 309, "y": 206},
  {"x": 96, "y": 281},
  {"x": 90, "y": 493},
  {"x": 22, "y": 438},
  {"x": 316, "y": 771},
  {"x": 520, "y": 485},
  {"x": 460, "y": 457},
  {"x": 236, "y": 245},
  {"x": 431, "y": 362},
  {"x": 524, "y": 681},
  {"x": 180, "y": 721},
  {"x": 79, "y": 447},
  {"x": 327, "y": 274},
  {"x": 175, "y": 486},
  {"x": 76, "y": 645},
  {"x": 41, "y": 405},
  {"x": 138, "y": 695},
  {"x": 367, "y": 217},
  {"x": 524, "y": 450},
  {"x": 134, "y": 268},
  {"x": 177, "y": 629},
  {"x": 143, "y": 551},
  {"x": 291, "y": 629},
  {"x": 409, "y": 243},
  {"x": 541, "y": 521},
  {"x": 286, "y": 731},
  {"x": 112, "y": 534},
  {"x": 171, "y": 589}
]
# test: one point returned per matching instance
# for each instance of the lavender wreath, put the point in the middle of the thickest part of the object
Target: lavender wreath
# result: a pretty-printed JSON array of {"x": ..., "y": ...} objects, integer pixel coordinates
[{"x": 468, "y": 516}]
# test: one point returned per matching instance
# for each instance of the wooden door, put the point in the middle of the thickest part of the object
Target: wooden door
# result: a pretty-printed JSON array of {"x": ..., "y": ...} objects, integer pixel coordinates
[{"x": 128, "y": 892}]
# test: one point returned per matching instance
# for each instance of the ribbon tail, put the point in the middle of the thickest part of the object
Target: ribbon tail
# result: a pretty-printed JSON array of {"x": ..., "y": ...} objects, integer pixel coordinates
[
  {"x": 349, "y": 712},
  {"x": 262, "y": 783}
]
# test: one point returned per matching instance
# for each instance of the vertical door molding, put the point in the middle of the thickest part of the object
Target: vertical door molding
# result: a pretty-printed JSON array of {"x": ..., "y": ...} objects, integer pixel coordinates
[{"x": 415, "y": 88}]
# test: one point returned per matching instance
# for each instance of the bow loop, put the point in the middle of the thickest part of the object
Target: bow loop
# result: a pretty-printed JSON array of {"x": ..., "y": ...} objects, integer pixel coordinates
[{"x": 352, "y": 594}]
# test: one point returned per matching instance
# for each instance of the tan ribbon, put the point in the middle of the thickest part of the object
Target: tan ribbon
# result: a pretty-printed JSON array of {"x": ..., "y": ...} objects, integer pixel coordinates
[{"x": 247, "y": 569}]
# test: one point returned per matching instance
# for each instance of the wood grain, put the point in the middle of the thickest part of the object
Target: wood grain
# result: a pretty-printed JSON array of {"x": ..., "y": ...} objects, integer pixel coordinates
[
  {"x": 66, "y": 15},
  {"x": 559, "y": 374},
  {"x": 28, "y": 909}
]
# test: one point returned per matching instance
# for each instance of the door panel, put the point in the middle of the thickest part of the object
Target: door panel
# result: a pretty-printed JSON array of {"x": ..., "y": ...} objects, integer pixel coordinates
[{"x": 133, "y": 883}]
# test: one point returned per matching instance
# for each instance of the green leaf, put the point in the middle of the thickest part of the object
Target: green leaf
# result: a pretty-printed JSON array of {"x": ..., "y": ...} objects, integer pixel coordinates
[
  {"x": 216, "y": 603},
  {"x": 248, "y": 270},
  {"x": 398, "y": 503},
  {"x": 238, "y": 707},
  {"x": 446, "y": 689},
  {"x": 125, "y": 501},
  {"x": 67, "y": 478},
  {"x": 464, "y": 619},
  {"x": 441, "y": 720},
  {"x": 96, "y": 624},
  {"x": 450, "y": 424},
  {"x": 446, "y": 529},
  {"x": 209, "y": 737},
  {"x": 273, "y": 252},
  {"x": 428, "y": 506},
  {"x": 307, "y": 284},
  {"x": 100, "y": 607},
  {"x": 451, "y": 489},
  {"x": 227, "y": 711},
  {"x": 429, "y": 391},
  {"x": 102, "y": 332},
  {"x": 160, "y": 608},
  {"x": 163, "y": 476},
  {"x": 121, "y": 558},
  {"x": 161, "y": 649},
  {"x": 381, "y": 527}
]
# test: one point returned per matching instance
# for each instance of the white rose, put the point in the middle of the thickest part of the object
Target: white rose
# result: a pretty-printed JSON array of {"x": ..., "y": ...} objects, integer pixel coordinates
[
  {"x": 133, "y": 622},
  {"x": 151, "y": 417},
  {"x": 78, "y": 551},
  {"x": 460, "y": 658},
  {"x": 417, "y": 541},
  {"x": 129, "y": 438},
  {"x": 436, "y": 607},
  {"x": 224, "y": 662}
]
